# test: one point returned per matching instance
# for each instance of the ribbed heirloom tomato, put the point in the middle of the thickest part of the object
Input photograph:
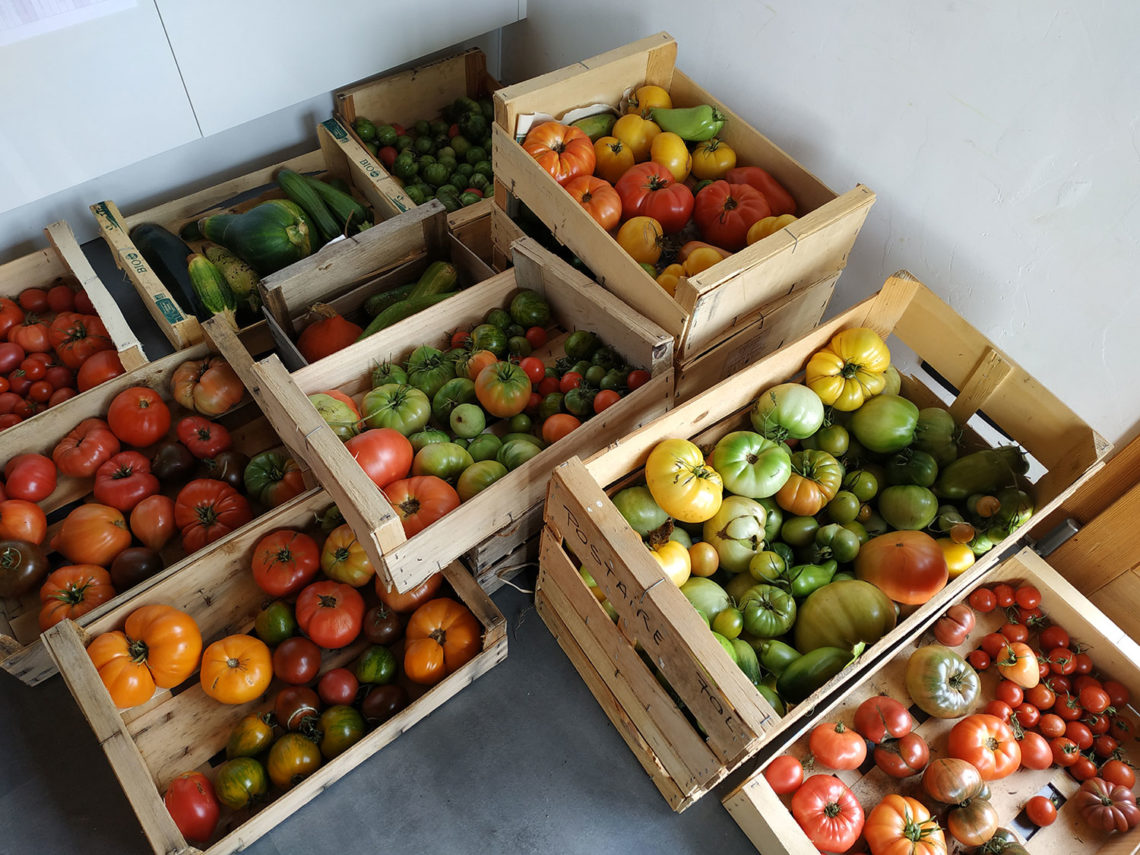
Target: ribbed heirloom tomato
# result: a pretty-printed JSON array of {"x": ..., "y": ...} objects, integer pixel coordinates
[
  {"x": 421, "y": 500},
  {"x": 343, "y": 559},
  {"x": 206, "y": 510},
  {"x": 284, "y": 562},
  {"x": 562, "y": 150},
  {"x": 89, "y": 444},
  {"x": 72, "y": 591},
  {"x": 724, "y": 212},
  {"x": 503, "y": 389},
  {"x": 93, "y": 534},
  {"x": 650, "y": 190},
  {"x": 988, "y": 743},
  {"x": 158, "y": 647},
  {"x": 828, "y": 812},
  {"x": 138, "y": 416},
  {"x": 442, "y": 635},
  {"x": 208, "y": 386},
  {"x": 598, "y": 197},
  {"x": 124, "y": 480}
]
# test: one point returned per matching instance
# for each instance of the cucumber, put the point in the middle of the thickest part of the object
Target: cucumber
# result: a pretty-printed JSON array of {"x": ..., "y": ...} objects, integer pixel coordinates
[
  {"x": 167, "y": 254},
  {"x": 349, "y": 214},
  {"x": 242, "y": 279},
  {"x": 399, "y": 311},
  {"x": 439, "y": 278},
  {"x": 377, "y": 303},
  {"x": 211, "y": 287},
  {"x": 300, "y": 191}
]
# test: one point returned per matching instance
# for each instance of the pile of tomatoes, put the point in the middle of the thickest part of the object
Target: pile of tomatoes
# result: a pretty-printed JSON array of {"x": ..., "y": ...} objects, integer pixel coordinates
[
  {"x": 156, "y": 470},
  {"x": 400, "y": 644},
  {"x": 52, "y": 346},
  {"x": 1050, "y": 709},
  {"x": 676, "y": 201}
]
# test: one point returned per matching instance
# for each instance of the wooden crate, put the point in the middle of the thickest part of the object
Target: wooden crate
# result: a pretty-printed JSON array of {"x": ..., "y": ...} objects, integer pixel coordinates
[
  {"x": 403, "y": 98},
  {"x": 63, "y": 260},
  {"x": 767, "y": 821},
  {"x": 150, "y": 745},
  {"x": 21, "y": 653},
  {"x": 582, "y": 526},
  {"x": 576, "y": 302},
  {"x": 181, "y": 328},
  {"x": 714, "y": 306}
]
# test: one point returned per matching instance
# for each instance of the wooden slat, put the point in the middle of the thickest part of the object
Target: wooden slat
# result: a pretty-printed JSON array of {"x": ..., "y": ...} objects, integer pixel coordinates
[
  {"x": 1120, "y": 473},
  {"x": 1104, "y": 548}
]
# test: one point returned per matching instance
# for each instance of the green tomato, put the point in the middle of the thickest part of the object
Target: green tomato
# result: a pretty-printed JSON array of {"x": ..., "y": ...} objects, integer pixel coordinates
[
  {"x": 729, "y": 623},
  {"x": 607, "y": 357},
  {"x": 615, "y": 378},
  {"x": 341, "y": 727},
  {"x": 525, "y": 437},
  {"x": 514, "y": 453},
  {"x": 787, "y": 410},
  {"x": 681, "y": 536},
  {"x": 459, "y": 144},
  {"x": 522, "y": 423},
  {"x": 474, "y": 155},
  {"x": 844, "y": 507},
  {"x": 483, "y": 167},
  {"x": 706, "y": 596},
  {"x": 467, "y": 420},
  {"x": 403, "y": 408},
  {"x": 444, "y": 460},
  {"x": 937, "y": 434},
  {"x": 386, "y": 135},
  {"x": 275, "y": 622},
  {"x": 799, "y": 531},
  {"x": 403, "y": 143},
  {"x": 911, "y": 466},
  {"x": 908, "y": 507},
  {"x": 530, "y": 309},
  {"x": 640, "y": 510},
  {"x": 500, "y": 318},
  {"x": 751, "y": 465},
  {"x": 767, "y": 566},
  {"x": 415, "y": 193},
  {"x": 862, "y": 483},
  {"x": 490, "y": 337},
  {"x": 595, "y": 374},
  {"x": 885, "y": 424},
  {"x": 551, "y": 405},
  {"x": 834, "y": 439},
  {"x": 427, "y": 437},
  {"x": 484, "y": 447},
  {"x": 436, "y": 174},
  {"x": 769, "y": 611},
  {"x": 835, "y": 541},
  {"x": 451, "y": 394},
  {"x": 579, "y": 401},
  {"x": 859, "y": 531},
  {"x": 388, "y": 372},
  {"x": 843, "y": 613},
  {"x": 429, "y": 369},
  {"x": 736, "y": 532},
  {"x": 518, "y": 345},
  {"x": 775, "y": 518},
  {"x": 581, "y": 344},
  {"x": 478, "y": 477},
  {"x": 376, "y": 666}
]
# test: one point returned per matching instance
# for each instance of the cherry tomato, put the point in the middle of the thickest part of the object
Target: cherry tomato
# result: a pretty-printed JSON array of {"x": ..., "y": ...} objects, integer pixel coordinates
[
  {"x": 1027, "y": 597},
  {"x": 1084, "y": 664},
  {"x": 534, "y": 368},
  {"x": 1041, "y": 811},
  {"x": 1044, "y": 668},
  {"x": 1005, "y": 595},
  {"x": 1083, "y": 768},
  {"x": 605, "y": 399},
  {"x": 1087, "y": 681},
  {"x": 34, "y": 369},
  {"x": 1062, "y": 660},
  {"x": 993, "y": 644},
  {"x": 1051, "y": 725},
  {"x": 1118, "y": 694},
  {"x": 1065, "y": 751},
  {"x": 536, "y": 336},
  {"x": 1103, "y": 746},
  {"x": 40, "y": 391},
  {"x": 1098, "y": 724},
  {"x": 1027, "y": 714},
  {"x": 982, "y": 600},
  {"x": 1015, "y": 632},
  {"x": 1118, "y": 772},
  {"x": 297, "y": 661},
  {"x": 1053, "y": 637},
  {"x": 548, "y": 386},
  {"x": 570, "y": 380},
  {"x": 460, "y": 338},
  {"x": 1041, "y": 696},
  {"x": 1080, "y": 734},
  {"x": 1010, "y": 692},
  {"x": 978, "y": 659},
  {"x": 338, "y": 686},
  {"x": 637, "y": 378},
  {"x": 1033, "y": 618},
  {"x": 784, "y": 774},
  {"x": 1120, "y": 727},
  {"x": 999, "y": 709},
  {"x": 1068, "y": 707},
  {"x": 1035, "y": 751},
  {"x": 1058, "y": 683}
]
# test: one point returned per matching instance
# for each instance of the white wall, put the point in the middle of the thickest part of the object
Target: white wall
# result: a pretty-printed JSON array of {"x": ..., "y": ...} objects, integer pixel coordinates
[{"x": 1002, "y": 139}]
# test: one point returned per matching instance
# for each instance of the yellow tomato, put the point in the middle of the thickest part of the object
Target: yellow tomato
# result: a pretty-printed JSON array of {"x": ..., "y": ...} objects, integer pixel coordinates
[
  {"x": 646, "y": 98},
  {"x": 668, "y": 278},
  {"x": 674, "y": 560},
  {"x": 641, "y": 237},
  {"x": 680, "y": 481},
  {"x": 670, "y": 151},
  {"x": 704, "y": 558},
  {"x": 613, "y": 158},
  {"x": 959, "y": 557},
  {"x": 636, "y": 133},
  {"x": 850, "y": 369},
  {"x": 712, "y": 159},
  {"x": 701, "y": 259},
  {"x": 768, "y": 226}
]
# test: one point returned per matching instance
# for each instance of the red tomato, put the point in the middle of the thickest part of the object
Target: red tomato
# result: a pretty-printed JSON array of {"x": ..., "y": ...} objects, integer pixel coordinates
[
  {"x": 296, "y": 661},
  {"x": 1084, "y": 664},
  {"x": 1062, "y": 660},
  {"x": 558, "y": 426},
  {"x": 1015, "y": 632},
  {"x": 908, "y": 566},
  {"x": 1027, "y": 597},
  {"x": 284, "y": 562},
  {"x": 998, "y": 709},
  {"x": 1035, "y": 751},
  {"x": 1118, "y": 693},
  {"x": 536, "y": 336},
  {"x": 1041, "y": 811},
  {"x": 570, "y": 380},
  {"x": 784, "y": 774},
  {"x": 988, "y": 743},
  {"x": 124, "y": 480},
  {"x": 460, "y": 338},
  {"x": 605, "y": 399},
  {"x": 61, "y": 298},
  {"x": 993, "y": 644},
  {"x": 1027, "y": 714},
  {"x": 982, "y": 600},
  {"x": 1058, "y": 683},
  {"x": 882, "y": 717},
  {"x": 34, "y": 369},
  {"x": 779, "y": 199},
  {"x": 384, "y": 454},
  {"x": 59, "y": 376},
  {"x": 193, "y": 806},
  {"x": 901, "y": 758},
  {"x": 637, "y": 378},
  {"x": 421, "y": 500},
  {"x": 1119, "y": 773},
  {"x": 836, "y": 746},
  {"x": 599, "y": 199},
  {"x": 1051, "y": 725},
  {"x": 1104, "y": 745},
  {"x": 330, "y": 613},
  {"x": 1068, "y": 707},
  {"x": 1054, "y": 636},
  {"x": 1120, "y": 727},
  {"x": 31, "y": 335},
  {"x": 548, "y": 386},
  {"x": 76, "y": 337},
  {"x": 1098, "y": 724},
  {"x": 203, "y": 437},
  {"x": 206, "y": 510},
  {"x": 650, "y": 190},
  {"x": 1005, "y": 595},
  {"x": 138, "y": 416},
  {"x": 29, "y": 476},
  {"x": 87, "y": 447},
  {"x": 1094, "y": 699},
  {"x": 978, "y": 659},
  {"x": 19, "y": 382},
  {"x": 1065, "y": 751},
  {"x": 11, "y": 355},
  {"x": 33, "y": 300},
  {"x": 535, "y": 369},
  {"x": 1083, "y": 768},
  {"x": 828, "y": 812},
  {"x": 1010, "y": 692},
  {"x": 338, "y": 686},
  {"x": 10, "y": 315},
  {"x": 60, "y": 395},
  {"x": 725, "y": 212},
  {"x": 1080, "y": 734}
]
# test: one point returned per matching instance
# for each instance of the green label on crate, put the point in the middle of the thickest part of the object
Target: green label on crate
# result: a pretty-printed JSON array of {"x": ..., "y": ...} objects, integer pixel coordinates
[
  {"x": 168, "y": 309},
  {"x": 335, "y": 128},
  {"x": 101, "y": 210}
]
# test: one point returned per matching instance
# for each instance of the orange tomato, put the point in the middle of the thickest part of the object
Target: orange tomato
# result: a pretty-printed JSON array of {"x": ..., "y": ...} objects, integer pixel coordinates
[
  {"x": 92, "y": 534},
  {"x": 689, "y": 247},
  {"x": 988, "y": 743},
  {"x": 562, "y": 150},
  {"x": 158, "y": 647},
  {"x": 442, "y": 635},
  {"x": 479, "y": 360},
  {"x": 414, "y": 598},
  {"x": 558, "y": 425},
  {"x": 613, "y": 158},
  {"x": 73, "y": 591},
  {"x": 600, "y": 200},
  {"x": 642, "y": 238},
  {"x": 768, "y": 226},
  {"x": 236, "y": 669},
  {"x": 704, "y": 558},
  {"x": 636, "y": 133},
  {"x": 669, "y": 277},
  {"x": 22, "y": 520},
  {"x": 646, "y": 98},
  {"x": 700, "y": 259},
  {"x": 670, "y": 151}
]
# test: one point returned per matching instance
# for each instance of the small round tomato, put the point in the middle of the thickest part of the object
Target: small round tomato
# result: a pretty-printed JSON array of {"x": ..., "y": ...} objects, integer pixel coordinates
[
  {"x": 1104, "y": 745},
  {"x": 1005, "y": 595},
  {"x": 605, "y": 399},
  {"x": 296, "y": 661},
  {"x": 535, "y": 369},
  {"x": 536, "y": 336},
  {"x": 637, "y": 378},
  {"x": 1118, "y": 772},
  {"x": 1041, "y": 811},
  {"x": 1035, "y": 751},
  {"x": 1098, "y": 724},
  {"x": 1010, "y": 692},
  {"x": 1027, "y": 597},
  {"x": 982, "y": 600},
  {"x": 1120, "y": 727},
  {"x": 1080, "y": 734},
  {"x": 1065, "y": 751},
  {"x": 1094, "y": 699},
  {"x": 570, "y": 380},
  {"x": 1118, "y": 694},
  {"x": 998, "y": 709},
  {"x": 34, "y": 369},
  {"x": 1015, "y": 632},
  {"x": 338, "y": 686},
  {"x": 1084, "y": 664},
  {"x": 1054, "y": 636},
  {"x": 1058, "y": 683},
  {"x": 1083, "y": 768},
  {"x": 1051, "y": 725},
  {"x": 1027, "y": 714},
  {"x": 784, "y": 774},
  {"x": 138, "y": 416},
  {"x": 837, "y": 747},
  {"x": 978, "y": 659},
  {"x": 1062, "y": 660},
  {"x": 1068, "y": 707}
]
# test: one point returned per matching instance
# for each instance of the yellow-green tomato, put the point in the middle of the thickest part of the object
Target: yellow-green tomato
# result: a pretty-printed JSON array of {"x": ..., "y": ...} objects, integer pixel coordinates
[
  {"x": 751, "y": 465},
  {"x": 729, "y": 623},
  {"x": 478, "y": 477},
  {"x": 680, "y": 481},
  {"x": 675, "y": 562},
  {"x": 736, "y": 532}
]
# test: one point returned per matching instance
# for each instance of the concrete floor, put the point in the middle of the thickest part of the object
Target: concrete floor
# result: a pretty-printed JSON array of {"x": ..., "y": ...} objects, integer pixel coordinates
[{"x": 522, "y": 761}]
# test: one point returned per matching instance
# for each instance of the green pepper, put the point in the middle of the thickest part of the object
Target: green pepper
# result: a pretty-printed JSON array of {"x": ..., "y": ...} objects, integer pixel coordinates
[
  {"x": 812, "y": 670},
  {"x": 835, "y": 541},
  {"x": 806, "y": 578},
  {"x": 776, "y": 655},
  {"x": 692, "y": 124}
]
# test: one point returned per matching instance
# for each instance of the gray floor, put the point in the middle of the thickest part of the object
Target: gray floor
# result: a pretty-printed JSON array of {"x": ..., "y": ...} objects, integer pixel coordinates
[{"x": 522, "y": 761}]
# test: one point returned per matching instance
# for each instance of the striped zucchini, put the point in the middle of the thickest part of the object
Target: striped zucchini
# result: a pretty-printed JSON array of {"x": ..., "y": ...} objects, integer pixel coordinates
[
  {"x": 211, "y": 287},
  {"x": 439, "y": 278},
  {"x": 399, "y": 311},
  {"x": 302, "y": 193},
  {"x": 242, "y": 279},
  {"x": 350, "y": 215}
]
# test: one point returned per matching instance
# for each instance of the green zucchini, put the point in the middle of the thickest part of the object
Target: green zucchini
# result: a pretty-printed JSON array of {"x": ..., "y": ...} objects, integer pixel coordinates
[
  {"x": 439, "y": 278},
  {"x": 268, "y": 237},
  {"x": 211, "y": 287},
  {"x": 166, "y": 254},
  {"x": 349, "y": 214},
  {"x": 809, "y": 672},
  {"x": 377, "y": 303},
  {"x": 242, "y": 279},
  {"x": 399, "y": 311},
  {"x": 301, "y": 192}
]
